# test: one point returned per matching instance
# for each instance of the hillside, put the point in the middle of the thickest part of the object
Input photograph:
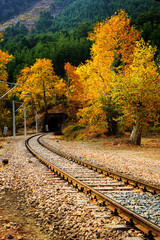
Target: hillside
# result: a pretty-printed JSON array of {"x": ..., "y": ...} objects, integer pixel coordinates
[
  {"x": 10, "y": 8},
  {"x": 77, "y": 11},
  {"x": 31, "y": 15},
  {"x": 68, "y": 13}
]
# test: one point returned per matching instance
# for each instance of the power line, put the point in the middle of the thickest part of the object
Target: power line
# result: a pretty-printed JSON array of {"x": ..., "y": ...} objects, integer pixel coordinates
[
  {"x": 10, "y": 89},
  {"x": 8, "y": 92},
  {"x": 9, "y": 83}
]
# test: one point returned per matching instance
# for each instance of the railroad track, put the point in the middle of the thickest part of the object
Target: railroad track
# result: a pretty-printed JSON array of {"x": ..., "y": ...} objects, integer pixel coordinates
[{"x": 137, "y": 202}]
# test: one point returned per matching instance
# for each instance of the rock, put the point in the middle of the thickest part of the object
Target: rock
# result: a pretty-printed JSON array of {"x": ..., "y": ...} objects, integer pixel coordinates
[
  {"x": 8, "y": 225},
  {"x": 19, "y": 237},
  {"x": 117, "y": 227},
  {"x": 5, "y": 162},
  {"x": 10, "y": 237}
]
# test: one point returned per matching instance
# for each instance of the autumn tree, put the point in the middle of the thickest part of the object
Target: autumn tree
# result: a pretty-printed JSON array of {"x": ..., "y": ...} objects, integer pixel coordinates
[
  {"x": 69, "y": 76},
  {"x": 44, "y": 77},
  {"x": 74, "y": 89},
  {"x": 36, "y": 84},
  {"x": 113, "y": 45},
  {"x": 114, "y": 40},
  {"x": 4, "y": 112},
  {"x": 25, "y": 88},
  {"x": 4, "y": 59},
  {"x": 72, "y": 81},
  {"x": 137, "y": 90}
]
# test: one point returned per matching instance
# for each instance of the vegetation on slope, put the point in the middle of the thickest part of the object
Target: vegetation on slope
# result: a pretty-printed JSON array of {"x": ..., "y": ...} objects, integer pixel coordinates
[
  {"x": 73, "y": 12},
  {"x": 77, "y": 11},
  {"x": 11, "y": 8},
  {"x": 60, "y": 47}
]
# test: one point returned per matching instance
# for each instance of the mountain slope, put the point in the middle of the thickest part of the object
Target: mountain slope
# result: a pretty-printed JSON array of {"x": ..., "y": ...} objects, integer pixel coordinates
[
  {"x": 30, "y": 17},
  {"x": 68, "y": 13},
  {"x": 10, "y": 8},
  {"x": 77, "y": 11},
  {"x": 80, "y": 11}
]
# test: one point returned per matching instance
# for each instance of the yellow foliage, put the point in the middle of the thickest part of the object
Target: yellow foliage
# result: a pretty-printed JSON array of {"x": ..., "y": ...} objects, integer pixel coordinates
[
  {"x": 113, "y": 44},
  {"x": 113, "y": 38},
  {"x": 1, "y": 37},
  {"x": 73, "y": 83},
  {"x": 60, "y": 88},
  {"x": 36, "y": 84},
  {"x": 4, "y": 59},
  {"x": 137, "y": 89},
  {"x": 73, "y": 89}
]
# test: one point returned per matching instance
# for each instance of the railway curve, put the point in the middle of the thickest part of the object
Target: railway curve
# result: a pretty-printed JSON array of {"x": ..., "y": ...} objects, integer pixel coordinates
[{"x": 103, "y": 186}]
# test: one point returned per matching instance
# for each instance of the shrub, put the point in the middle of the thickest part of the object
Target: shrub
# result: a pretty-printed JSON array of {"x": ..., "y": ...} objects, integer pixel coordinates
[{"x": 72, "y": 131}]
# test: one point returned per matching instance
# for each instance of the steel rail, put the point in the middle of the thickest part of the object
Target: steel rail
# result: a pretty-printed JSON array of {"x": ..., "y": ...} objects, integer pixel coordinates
[
  {"x": 152, "y": 230},
  {"x": 128, "y": 180}
]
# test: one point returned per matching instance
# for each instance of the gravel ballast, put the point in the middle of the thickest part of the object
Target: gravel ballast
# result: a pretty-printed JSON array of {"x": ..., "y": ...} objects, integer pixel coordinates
[
  {"x": 54, "y": 210},
  {"x": 136, "y": 162}
]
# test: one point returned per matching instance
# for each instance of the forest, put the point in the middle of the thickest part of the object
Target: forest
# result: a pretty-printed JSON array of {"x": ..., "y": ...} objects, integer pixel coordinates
[
  {"x": 82, "y": 67},
  {"x": 65, "y": 46},
  {"x": 77, "y": 11},
  {"x": 74, "y": 12}
]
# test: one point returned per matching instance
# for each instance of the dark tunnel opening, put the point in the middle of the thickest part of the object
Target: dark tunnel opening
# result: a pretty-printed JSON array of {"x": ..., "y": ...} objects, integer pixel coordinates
[{"x": 53, "y": 122}]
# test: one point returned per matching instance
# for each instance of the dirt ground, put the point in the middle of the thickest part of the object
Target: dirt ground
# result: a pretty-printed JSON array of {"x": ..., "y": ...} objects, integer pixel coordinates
[
  {"x": 150, "y": 146},
  {"x": 16, "y": 220}
]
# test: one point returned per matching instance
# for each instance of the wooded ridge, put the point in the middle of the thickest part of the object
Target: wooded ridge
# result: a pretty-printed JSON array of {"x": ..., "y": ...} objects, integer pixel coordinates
[{"x": 68, "y": 14}]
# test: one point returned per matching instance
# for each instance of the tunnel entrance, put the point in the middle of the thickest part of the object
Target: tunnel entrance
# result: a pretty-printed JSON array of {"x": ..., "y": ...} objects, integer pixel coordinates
[{"x": 53, "y": 122}]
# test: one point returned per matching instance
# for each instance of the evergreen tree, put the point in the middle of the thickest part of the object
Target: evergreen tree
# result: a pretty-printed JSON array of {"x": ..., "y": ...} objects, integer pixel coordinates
[{"x": 44, "y": 22}]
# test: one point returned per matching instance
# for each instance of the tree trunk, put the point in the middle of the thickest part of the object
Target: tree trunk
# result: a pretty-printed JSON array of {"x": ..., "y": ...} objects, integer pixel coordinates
[
  {"x": 112, "y": 127},
  {"x": 136, "y": 134}
]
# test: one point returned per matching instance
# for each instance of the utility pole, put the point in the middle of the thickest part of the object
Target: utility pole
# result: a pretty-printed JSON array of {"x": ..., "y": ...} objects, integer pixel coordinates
[
  {"x": 14, "y": 110},
  {"x": 36, "y": 123},
  {"x": 25, "y": 127},
  {"x": 13, "y": 106},
  {"x": 14, "y": 125}
]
